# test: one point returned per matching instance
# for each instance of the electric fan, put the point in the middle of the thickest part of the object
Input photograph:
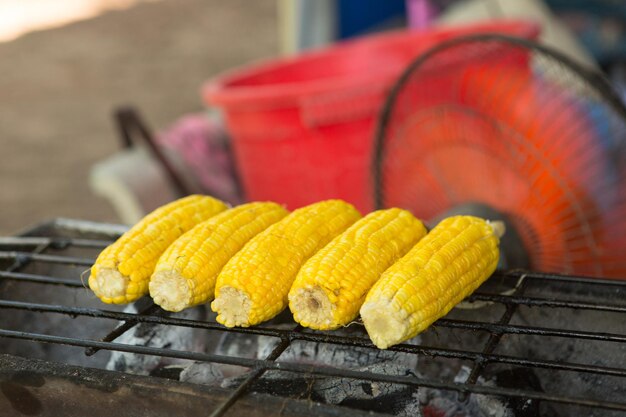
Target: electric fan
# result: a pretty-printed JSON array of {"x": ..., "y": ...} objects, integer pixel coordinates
[{"x": 506, "y": 128}]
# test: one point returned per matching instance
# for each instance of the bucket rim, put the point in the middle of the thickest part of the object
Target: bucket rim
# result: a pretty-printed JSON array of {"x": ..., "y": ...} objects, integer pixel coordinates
[{"x": 220, "y": 91}]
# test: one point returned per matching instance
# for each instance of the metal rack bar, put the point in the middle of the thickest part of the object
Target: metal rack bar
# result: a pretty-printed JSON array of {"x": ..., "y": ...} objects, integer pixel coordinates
[
  {"x": 546, "y": 302},
  {"x": 527, "y": 330},
  {"x": 479, "y": 296},
  {"x": 21, "y": 259},
  {"x": 40, "y": 279},
  {"x": 298, "y": 334},
  {"x": 54, "y": 243},
  {"x": 257, "y": 364},
  {"x": 38, "y": 257},
  {"x": 145, "y": 316},
  {"x": 65, "y": 242},
  {"x": 534, "y": 275}
]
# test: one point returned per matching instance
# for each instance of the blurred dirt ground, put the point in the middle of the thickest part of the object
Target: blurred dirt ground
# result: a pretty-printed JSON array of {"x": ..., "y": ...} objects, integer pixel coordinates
[{"x": 58, "y": 88}]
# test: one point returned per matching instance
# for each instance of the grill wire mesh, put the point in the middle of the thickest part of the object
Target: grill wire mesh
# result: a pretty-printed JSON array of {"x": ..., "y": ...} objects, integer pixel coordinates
[{"x": 560, "y": 328}]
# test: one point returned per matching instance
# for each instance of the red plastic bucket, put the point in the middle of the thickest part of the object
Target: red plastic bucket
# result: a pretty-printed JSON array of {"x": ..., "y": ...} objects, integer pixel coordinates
[{"x": 302, "y": 127}]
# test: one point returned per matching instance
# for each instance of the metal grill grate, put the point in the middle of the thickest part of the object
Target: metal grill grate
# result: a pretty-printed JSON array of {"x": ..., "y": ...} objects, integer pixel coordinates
[{"x": 525, "y": 320}]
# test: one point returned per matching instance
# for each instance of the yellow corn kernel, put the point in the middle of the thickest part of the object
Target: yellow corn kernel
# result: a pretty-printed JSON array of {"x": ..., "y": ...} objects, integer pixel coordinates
[
  {"x": 185, "y": 274},
  {"x": 253, "y": 285},
  {"x": 446, "y": 266},
  {"x": 122, "y": 270},
  {"x": 331, "y": 286}
]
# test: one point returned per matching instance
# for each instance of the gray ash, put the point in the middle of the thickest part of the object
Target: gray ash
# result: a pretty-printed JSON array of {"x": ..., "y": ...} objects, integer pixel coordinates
[{"x": 161, "y": 336}]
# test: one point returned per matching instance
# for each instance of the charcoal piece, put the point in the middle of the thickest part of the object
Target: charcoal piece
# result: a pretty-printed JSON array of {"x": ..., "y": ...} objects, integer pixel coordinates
[
  {"x": 447, "y": 403},
  {"x": 371, "y": 395},
  {"x": 451, "y": 403},
  {"x": 244, "y": 345},
  {"x": 205, "y": 373},
  {"x": 337, "y": 390},
  {"x": 351, "y": 357},
  {"x": 520, "y": 378},
  {"x": 367, "y": 395},
  {"x": 159, "y": 336},
  {"x": 275, "y": 383},
  {"x": 168, "y": 372}
]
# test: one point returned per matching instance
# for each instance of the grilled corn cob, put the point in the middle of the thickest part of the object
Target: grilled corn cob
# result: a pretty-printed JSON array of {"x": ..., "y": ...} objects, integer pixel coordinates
[
  {"x": 122, "y": 270},
  {"x": 458, "y": 255},
  {"x": 253, "y": 285},
  {"x": 331, "y": 286},
  {"x": 185, "y": 274}
]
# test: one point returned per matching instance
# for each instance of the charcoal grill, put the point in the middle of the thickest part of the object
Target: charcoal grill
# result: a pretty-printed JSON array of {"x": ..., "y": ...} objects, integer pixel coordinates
[{"x": 558, "y": 328}]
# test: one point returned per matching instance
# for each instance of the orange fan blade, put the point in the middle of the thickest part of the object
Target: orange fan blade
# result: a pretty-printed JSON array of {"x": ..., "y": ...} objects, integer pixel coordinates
[{"x": 519, "y": 131}]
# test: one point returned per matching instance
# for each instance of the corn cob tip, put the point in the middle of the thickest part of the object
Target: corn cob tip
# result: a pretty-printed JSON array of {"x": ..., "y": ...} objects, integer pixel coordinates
[
  {"x": 232, "y": 306},
  {"x": 109, "y": 285},
  {"x": 312, "y": 308},
  {"x": 385, "y": 325},
  {"x": 170, "y": 290},
  {"x": 498, "y": 226}
]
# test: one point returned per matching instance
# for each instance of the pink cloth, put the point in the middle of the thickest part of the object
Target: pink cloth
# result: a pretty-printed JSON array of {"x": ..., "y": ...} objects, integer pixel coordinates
[
  {"x": 204, "y": 146},
  {"x": 420, "y": 13}
]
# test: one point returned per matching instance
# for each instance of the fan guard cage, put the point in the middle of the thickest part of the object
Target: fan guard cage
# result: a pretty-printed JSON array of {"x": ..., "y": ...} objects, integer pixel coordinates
[{"x": 520, "y": 128}]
